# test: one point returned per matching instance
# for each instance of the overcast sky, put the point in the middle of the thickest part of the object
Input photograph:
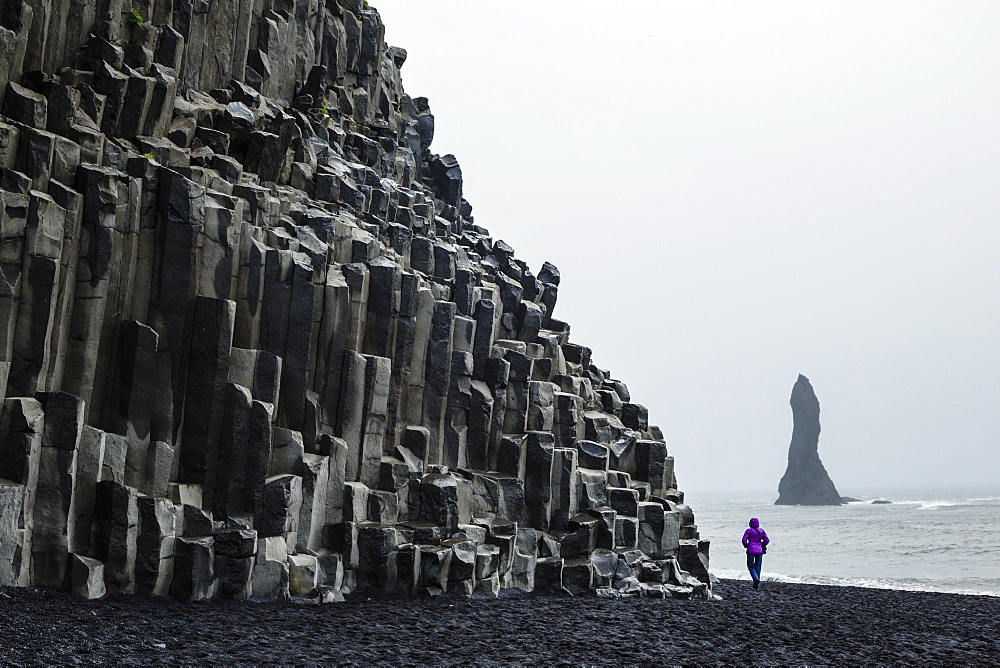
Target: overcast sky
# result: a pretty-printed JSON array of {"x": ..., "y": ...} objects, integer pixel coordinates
[{"x": 740, "y": 192}]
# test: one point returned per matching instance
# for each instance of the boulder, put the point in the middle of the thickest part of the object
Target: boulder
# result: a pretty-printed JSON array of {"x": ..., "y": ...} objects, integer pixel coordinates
[{"x": 85, "y": 577}]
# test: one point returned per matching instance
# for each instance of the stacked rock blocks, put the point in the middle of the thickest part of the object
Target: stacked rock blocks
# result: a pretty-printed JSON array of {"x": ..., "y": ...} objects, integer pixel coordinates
[{"x": 254, "y": 345}]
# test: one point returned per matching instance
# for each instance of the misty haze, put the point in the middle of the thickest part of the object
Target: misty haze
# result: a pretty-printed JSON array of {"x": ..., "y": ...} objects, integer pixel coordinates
[{"x": 738, "y": 193}]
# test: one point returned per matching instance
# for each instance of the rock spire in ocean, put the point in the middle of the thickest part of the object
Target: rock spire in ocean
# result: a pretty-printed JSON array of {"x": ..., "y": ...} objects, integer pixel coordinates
[{"x": 806, "y": 481}]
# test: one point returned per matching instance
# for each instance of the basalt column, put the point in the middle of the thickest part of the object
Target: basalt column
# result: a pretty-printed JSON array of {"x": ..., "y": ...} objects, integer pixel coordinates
[{"x": 254, "y": 344}]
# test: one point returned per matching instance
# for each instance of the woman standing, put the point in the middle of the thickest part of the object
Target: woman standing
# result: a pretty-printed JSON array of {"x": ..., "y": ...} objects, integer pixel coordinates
[{"x": 755, "y": 540}]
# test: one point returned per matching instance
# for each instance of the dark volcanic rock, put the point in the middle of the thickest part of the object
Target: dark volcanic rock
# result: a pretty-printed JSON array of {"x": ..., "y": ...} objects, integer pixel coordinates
[
  {"x": 253, "y": 344},
  {"x": 806, "y": 482}
]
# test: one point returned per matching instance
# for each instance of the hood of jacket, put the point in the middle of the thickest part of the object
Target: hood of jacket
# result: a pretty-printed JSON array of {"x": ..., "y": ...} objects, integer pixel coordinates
[{"x": 754, "y": 523}]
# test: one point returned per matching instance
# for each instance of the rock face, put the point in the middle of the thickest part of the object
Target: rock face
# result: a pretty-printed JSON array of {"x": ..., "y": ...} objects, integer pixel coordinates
[
  {"x": 253, "y": 343},
  {"x": 805, "y": 482}
]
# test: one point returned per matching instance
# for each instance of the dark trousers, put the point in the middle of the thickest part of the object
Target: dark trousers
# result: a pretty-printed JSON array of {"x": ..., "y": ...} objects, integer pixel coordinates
[{"x": 753, "y": 565}]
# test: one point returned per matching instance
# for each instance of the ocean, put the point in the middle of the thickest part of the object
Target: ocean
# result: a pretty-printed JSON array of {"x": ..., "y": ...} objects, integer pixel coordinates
[{"x": 925, "y": 540}]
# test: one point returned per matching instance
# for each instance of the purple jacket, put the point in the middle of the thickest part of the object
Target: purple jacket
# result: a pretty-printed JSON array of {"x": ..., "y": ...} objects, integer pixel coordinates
[{"x": 755, "y": 538}]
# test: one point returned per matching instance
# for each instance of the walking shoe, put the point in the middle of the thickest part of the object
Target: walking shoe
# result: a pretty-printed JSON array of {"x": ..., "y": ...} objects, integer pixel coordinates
[{"x": 756, "y": 584}]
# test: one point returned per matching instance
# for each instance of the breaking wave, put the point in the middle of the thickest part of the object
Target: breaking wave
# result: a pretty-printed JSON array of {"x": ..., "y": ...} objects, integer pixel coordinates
[
  {"x": 925, "y": 504},
  {"x": 935, "y": 504},
  {"x": 903, "y": 584}
]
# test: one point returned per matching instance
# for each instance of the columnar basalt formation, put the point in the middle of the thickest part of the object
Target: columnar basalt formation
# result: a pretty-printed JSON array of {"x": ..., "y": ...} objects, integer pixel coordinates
[
  {"x": 254, "y": 344},
  {"x": 806, "y": 481}
]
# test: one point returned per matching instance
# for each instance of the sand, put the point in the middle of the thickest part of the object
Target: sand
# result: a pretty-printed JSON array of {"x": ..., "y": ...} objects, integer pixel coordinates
[{"x": 782, "y": 624}]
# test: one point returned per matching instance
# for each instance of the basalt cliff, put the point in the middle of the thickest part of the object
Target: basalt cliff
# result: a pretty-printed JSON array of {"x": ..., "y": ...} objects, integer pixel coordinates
[
  {"x": 806, "y": 481},
  {"x": 254, "y": 345}
]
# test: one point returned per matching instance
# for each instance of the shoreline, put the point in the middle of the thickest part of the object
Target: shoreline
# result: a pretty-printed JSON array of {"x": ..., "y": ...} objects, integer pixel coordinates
[
  {"x": 837, "y": 581},
  {"x": 783, "y": 623}
]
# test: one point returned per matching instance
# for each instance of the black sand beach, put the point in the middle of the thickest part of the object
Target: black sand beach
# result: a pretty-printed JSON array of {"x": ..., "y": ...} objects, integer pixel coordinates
[{"x": 783, "y": 624}]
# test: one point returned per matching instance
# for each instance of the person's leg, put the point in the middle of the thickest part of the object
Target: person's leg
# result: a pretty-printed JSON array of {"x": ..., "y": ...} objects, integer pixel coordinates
[
  {"x": 752, "y": 567},
  {"x": 757, "y": 564},
  {"x": 753, "y": 563}
]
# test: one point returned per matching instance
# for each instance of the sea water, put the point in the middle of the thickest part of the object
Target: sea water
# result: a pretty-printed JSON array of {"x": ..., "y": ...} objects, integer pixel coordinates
[{"x": 925, "y": 540}]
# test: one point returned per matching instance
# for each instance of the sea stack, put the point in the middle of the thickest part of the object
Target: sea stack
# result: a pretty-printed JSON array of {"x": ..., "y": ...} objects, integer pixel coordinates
[{"x": 806, "y": 482}]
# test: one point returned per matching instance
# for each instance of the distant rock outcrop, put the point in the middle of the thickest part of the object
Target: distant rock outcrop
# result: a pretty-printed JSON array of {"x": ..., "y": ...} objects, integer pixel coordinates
[{"x": 806, "y": 482}]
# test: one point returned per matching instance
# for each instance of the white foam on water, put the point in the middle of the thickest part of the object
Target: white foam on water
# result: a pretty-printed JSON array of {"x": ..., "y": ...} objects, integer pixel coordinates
[
  {"x": 928, "y": 505},
  {"x": 934, "y": 505},
  {"x": 945, "y": 503},
  {"x": 866, "y": 583}
]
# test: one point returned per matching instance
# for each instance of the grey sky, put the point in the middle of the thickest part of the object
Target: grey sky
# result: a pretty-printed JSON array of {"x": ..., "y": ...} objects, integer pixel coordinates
[{"x": 739, "y": 192}]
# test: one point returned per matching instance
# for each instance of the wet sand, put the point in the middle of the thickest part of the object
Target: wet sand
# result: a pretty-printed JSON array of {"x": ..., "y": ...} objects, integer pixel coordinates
[{"x": 783, "y": 624}]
